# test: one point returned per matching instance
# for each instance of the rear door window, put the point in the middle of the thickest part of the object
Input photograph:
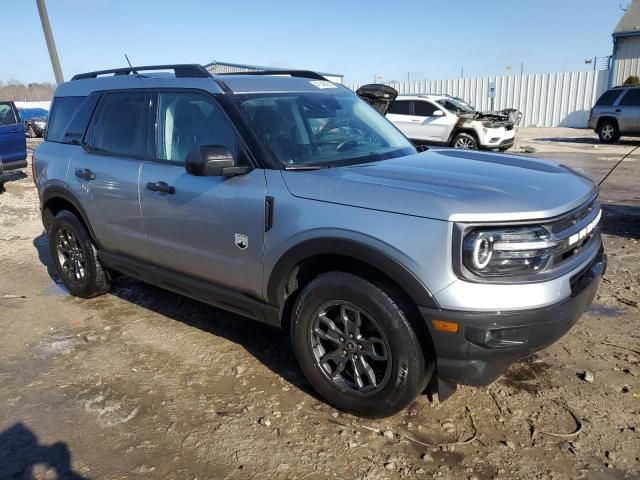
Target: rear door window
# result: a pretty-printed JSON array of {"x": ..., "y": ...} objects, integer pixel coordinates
[
  {"x": 62, "y": 111},
  {"x": 631, "y": 98},
  {"x": 121, "y": 126},
  {"x": 400, "y": 107},
  {"x": 608, "y": 98}
]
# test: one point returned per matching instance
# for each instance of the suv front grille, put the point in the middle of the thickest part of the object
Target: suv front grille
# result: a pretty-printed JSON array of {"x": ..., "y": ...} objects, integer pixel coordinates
[
  {"x": 579, "y": 229},
  {"x": 572, "y": 218}
]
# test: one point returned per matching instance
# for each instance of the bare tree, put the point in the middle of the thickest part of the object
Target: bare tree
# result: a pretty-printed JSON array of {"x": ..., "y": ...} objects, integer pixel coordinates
[{"x": 20, "y": 92}]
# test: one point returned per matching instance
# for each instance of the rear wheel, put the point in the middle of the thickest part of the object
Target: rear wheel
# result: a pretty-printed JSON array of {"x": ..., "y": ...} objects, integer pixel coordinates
[
  {"x": 356, "y": 346},
  {"x": 608, "y": 131},
  {"x": 464, "y": 141},
  {"x": 75, "y": 257}
]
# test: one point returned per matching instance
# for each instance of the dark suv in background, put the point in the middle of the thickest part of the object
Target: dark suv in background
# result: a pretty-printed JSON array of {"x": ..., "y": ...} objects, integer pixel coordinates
[
  {"x": 34, "y": 120},
  {"x": 616, "y": 113}
]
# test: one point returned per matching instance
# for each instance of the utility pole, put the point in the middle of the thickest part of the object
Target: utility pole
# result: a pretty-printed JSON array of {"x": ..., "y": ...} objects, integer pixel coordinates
[{"x": 48, "y": 36}]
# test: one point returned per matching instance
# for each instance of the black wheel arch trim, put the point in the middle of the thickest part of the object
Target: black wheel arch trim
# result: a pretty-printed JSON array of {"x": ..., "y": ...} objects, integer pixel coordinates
[
  {"x": 362, "y": 252},
  {"x": 55, "y": 191},
  {"x": 607, "y": 118}
]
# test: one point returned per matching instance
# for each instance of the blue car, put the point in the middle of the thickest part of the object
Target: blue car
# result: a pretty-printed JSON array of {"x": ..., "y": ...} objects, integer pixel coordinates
[
  {"x": 13, "y": 146},
  {"x": 34, "y": 120}
]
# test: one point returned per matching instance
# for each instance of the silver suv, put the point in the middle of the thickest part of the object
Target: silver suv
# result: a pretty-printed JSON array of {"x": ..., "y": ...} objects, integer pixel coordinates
[
  {"x": 616, "y": 113},
  {"x": 285, "y": 198}
]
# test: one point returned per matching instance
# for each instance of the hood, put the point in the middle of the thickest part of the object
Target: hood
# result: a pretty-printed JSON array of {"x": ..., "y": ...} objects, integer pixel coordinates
[
  {"x": 378, "y": 96},
  {"x": 450, "y": 185}
]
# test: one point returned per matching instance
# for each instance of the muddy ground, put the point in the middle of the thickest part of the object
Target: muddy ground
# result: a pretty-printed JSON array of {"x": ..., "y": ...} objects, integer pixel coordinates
[{"x": 142, "y": 383}]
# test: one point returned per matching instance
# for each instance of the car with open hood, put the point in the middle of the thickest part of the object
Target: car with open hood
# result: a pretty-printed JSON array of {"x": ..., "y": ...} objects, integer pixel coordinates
[
  {"x": 34, "y": 120},
  {"x": 443, "y": 120},
  {"x": 286, "y": 198}
]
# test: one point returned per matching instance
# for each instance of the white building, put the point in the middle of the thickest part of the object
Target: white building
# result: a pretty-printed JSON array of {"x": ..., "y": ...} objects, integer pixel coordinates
[{"x": 625, "y": 60}]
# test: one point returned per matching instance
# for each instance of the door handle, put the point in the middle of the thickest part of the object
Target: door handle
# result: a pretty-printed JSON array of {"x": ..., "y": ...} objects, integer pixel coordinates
[
  {"x": 85, "y": 174},
  {"x": 416, "y": 120},
  {"x": 161, "y": 187},
  {"x": 618, "y": 110}
]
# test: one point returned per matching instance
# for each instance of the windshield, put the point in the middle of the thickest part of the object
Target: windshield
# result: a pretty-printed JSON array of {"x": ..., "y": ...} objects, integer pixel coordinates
[
  {"x": 322, "y": 129},
  {"x": 455, "y": 106}
]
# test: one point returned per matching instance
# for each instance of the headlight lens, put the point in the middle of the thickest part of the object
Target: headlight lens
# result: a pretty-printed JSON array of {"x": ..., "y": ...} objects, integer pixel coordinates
[
  {"x": 40, "y": 123},
  {"x": 508, "y": 252}
]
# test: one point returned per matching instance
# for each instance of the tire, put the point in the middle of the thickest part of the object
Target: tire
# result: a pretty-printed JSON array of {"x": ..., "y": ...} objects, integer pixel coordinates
[
  {"x": 503, "y": 149},
  {"x": 608, "y": 131},
  {"x": 464, "y": 141},
  {"x": 84, "y": 275},
  {"x": 398, "y": 368},
  {"x": 31, "y": 132}
]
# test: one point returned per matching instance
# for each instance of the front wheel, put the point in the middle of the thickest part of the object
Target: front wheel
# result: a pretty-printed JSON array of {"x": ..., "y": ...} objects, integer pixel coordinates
[
  {"x": 464, "y": 141},
  {"x": 608, "y": 131},
  {"x": 356, "y": 346}
]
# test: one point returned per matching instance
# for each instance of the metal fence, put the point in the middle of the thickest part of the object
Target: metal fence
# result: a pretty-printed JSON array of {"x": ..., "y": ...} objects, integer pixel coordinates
[{"x": 545, "y": 99}]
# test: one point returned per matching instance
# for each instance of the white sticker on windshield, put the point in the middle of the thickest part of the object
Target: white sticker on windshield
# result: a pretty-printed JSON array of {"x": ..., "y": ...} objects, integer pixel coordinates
[{"x": 322, "y": 84}]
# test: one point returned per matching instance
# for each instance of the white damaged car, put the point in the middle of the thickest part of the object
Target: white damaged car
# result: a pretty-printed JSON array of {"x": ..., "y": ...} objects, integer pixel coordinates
[{"x": 444, "y": 120}]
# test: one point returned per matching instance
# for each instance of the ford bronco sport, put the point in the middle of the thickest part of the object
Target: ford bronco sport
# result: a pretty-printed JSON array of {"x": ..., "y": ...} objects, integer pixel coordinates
[{"x": 286, "y": 198}]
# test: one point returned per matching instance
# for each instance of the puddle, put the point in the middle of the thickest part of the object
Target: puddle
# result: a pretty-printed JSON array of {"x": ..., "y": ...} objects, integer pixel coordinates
[
  {"x": 523, "y": 375},
  {"x": 598, "y": 309}
]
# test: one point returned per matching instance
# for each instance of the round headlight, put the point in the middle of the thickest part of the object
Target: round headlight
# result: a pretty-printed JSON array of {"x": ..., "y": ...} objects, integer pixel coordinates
[{"x": 482, "y": 251}]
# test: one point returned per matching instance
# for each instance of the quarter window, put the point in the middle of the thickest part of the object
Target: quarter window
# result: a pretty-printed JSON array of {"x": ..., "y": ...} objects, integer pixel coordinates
[
  {"x": 7, "y": 115},
  {"x": 400, "y": 107},
  {"x": 121, "y": 124},
  {"x": 424, "y": 109},
  {"x": 631, "y": 98},
  {"x": 189, "y": 120},
  {"x": 62, "y": 111}
]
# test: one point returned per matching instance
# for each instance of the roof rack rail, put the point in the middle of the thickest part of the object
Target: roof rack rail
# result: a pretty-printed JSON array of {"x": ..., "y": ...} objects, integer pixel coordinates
[
  {"x": 293, "y": 73},
  {"x": 180, "y": 70}
]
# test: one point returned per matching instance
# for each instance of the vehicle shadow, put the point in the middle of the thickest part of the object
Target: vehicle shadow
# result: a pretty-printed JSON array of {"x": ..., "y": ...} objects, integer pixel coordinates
[
  {"x": 20, "y": 452},
  {"x": 14, "y": 176},
  {"x": 632, "y": 142},
  {"x": 268, "y": 345},
  {"x": 621, "y": 220}
]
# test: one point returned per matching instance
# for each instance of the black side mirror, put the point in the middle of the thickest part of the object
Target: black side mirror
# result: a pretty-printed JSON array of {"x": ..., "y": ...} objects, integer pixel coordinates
[{"x": 213, "y": 160}]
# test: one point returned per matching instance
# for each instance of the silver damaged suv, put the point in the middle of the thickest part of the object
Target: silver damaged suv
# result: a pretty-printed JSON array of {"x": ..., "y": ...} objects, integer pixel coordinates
[{"x": 285, "y": 198}]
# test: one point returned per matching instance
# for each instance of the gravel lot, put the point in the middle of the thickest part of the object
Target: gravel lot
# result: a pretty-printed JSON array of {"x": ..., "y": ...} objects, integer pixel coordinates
[{"x": 144, "y": 384}]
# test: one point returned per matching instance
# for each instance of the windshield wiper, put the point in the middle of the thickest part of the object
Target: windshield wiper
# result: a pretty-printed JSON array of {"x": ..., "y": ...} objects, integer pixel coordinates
[{"x": 305, "y": 167}]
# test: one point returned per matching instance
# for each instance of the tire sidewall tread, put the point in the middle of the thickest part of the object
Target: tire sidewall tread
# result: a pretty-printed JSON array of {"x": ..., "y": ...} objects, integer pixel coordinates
[
  {"x": 410, "y": 369},
  {"x": 96, "y": 280}
]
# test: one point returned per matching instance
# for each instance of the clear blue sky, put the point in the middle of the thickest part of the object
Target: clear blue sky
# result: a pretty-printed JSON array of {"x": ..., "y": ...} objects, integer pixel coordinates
[{"x": 428, "y": 38}]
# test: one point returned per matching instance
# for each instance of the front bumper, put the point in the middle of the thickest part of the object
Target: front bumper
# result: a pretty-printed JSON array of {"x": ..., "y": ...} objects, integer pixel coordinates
[
  {"x": 496, "y": 138},
  {"x": 486, "y": 343},
  {"x": 39, "y": 131}
]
